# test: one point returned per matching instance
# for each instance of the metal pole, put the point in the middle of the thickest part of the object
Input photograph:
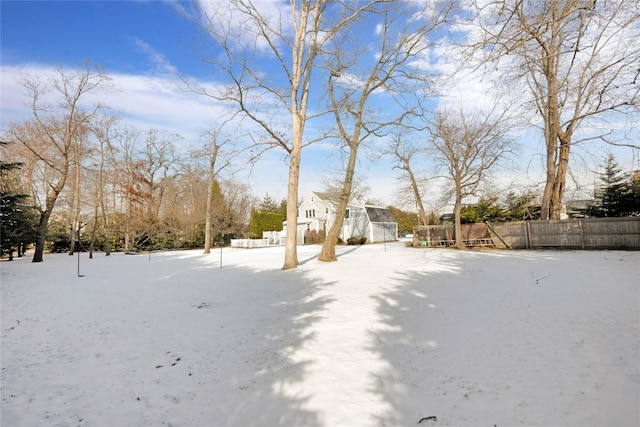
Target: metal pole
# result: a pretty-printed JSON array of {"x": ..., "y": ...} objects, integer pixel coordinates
[
  {"x": 220, "y": 255},
  {"x": 384, "y": 234}
]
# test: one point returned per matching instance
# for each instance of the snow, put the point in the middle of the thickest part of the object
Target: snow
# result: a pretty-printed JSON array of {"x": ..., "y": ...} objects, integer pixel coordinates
[{"x": 383, "y": 337}]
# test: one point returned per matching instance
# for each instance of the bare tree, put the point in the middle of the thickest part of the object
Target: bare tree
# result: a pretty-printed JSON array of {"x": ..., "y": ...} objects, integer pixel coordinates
[
  {"x": 239, "y": 202},
  {"x": 250, "y": 32},
  {"x": 129, "y": 198},
  {"x": 79, "y": 152},
  {"x": 53, "y": 133},
  {"x": 468, "y": 146},
  {"x": 104, "y": 131},
  {"x": 579, "y": 59},
  {"x": 219, "y": 153},
  {"x": 157, "y": 161},
  {"x": 401, "y": 37},
  {"x": 404, "y": 153}
]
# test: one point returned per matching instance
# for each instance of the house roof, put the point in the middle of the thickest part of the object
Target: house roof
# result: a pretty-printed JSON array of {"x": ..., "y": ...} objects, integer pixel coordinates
[{"x": 330, "y": 197}]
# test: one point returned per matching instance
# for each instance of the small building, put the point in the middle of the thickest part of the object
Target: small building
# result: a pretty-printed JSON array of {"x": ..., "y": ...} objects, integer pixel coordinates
[{"x": 317, "y": 213}]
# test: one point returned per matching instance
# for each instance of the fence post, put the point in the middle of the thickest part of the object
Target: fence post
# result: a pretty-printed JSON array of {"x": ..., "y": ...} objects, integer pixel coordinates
[{"x": 581, "y": 233}]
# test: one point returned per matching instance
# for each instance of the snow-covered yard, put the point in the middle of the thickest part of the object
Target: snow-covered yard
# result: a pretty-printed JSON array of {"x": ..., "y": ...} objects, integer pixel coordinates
[{"x": 386, "y": 336}]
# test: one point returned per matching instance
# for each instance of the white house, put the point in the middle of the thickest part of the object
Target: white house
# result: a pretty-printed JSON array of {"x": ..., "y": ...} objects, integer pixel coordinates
[{"x": 318, "y": 211}]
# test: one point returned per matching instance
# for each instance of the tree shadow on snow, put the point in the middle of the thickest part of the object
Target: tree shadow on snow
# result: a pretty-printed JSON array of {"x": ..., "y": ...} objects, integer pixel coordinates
[
  {"x": 254, "y": 323},
  {"x": 182, "y": 345},
  {"x": 487, "y": 339}
]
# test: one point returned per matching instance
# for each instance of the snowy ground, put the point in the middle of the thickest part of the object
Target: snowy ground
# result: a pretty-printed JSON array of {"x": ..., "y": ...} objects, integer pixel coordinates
[{"x": 384, "y": 337}]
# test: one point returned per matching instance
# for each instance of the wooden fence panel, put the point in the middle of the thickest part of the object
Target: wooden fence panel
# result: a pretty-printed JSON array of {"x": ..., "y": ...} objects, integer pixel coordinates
[{"x": 587, "y": 233}]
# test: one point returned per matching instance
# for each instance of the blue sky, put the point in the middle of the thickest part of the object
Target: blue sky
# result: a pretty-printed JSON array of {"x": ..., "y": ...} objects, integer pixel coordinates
[
  {"x": 145, "y": 46},
  {"x": 109, "y": 33}
]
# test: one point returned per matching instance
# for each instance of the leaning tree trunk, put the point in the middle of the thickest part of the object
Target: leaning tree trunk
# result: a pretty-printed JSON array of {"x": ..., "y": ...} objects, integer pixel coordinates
[
  {"x": 416, "y": 193},
  {"x": 40, "y": 235},
  {"x": 45, "y": 214},
  {"x": 328, "y": 252}
]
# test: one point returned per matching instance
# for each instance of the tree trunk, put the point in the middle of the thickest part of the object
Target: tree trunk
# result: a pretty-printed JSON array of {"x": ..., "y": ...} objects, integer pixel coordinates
[
  {"x": 545, "y": 211},
  {"x": 291, "y": 242},
  {"x": 107, "y": 244},
  {"x": 40, "y": 235},
  {"x": 328, "y": 252},
  {"x": 207, "y": 228},
  {"x": 93, "y": 232},
  {"x": 416, "y": 193},
  {"x": 457, "y": 228},
  {"x": 103, "y": 227},
  {"x": 552, "y": 128},
  {"x": 555, "y": 208}
]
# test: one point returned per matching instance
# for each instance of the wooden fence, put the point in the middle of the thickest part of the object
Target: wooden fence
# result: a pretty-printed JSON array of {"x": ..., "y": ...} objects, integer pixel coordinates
[{"x": 586, "y": 233}]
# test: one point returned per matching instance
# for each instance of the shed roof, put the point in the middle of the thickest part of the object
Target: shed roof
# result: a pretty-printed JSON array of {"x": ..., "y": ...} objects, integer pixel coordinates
[{"x": 377, "y": 214}]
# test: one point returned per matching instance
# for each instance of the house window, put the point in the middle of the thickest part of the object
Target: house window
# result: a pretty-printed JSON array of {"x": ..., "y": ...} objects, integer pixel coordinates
[{"x": 346, "y": 214}]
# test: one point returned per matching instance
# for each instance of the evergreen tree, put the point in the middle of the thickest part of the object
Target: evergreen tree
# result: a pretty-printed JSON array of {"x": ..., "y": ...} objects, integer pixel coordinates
[
  {"x": 268, "y": 216},
  {"x": 268, "y": 205},
  {"x": 487, "y": 209},
  {"x": 17, "y": 220},
  {"x": 265, "y": 221},
  {"x": 616, "y": 195},
  {"x": 406, "y": 220},
  {"x": 635, "y": 194},
  {"x": 520, "y": 207}
]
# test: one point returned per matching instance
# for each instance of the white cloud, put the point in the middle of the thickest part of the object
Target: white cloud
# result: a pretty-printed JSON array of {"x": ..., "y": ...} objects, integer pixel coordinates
[
  {"x": 144, "y": 101},
  {"x": 162, "y": 64},
  {"x": 234, "y": 18}
]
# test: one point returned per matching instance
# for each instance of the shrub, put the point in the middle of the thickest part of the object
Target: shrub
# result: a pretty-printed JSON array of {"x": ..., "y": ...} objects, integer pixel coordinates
[{"x": 356, "y": 241}]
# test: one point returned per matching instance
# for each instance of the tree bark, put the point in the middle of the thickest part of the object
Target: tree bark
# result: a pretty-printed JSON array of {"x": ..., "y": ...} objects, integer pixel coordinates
[
  {"x": 416, "y": 193},
  {"x": 328, "y": 252},
  {"x": 557, "y": 194},
  {"x": 43, "y": 224},
  {"x": 210, "y": 189},
  {"x": 457, "y": 227},
  {"x": 291, "y": 240}
]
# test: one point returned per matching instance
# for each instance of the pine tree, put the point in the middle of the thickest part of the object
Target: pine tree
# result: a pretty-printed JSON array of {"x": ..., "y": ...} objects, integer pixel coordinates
[
  {"x": 616, "y": 196},
  {"x": 268, "y": 204},
  {"x": 17, "y": 220}
]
